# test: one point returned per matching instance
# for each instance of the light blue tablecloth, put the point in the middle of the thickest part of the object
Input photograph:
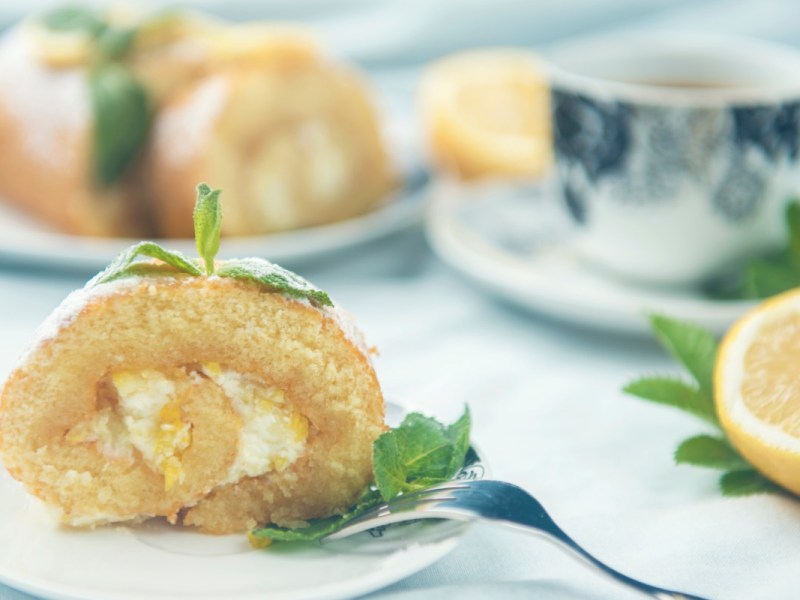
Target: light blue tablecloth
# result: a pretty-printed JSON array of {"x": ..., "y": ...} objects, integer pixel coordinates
[{"x": 545, "y": 397}]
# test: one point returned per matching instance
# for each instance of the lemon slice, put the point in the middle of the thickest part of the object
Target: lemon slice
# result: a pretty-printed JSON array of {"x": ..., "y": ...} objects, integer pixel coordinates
[
  {"x": 58, "y": 49},
  {"x": 757, "y": 388},
  {"x": 487, "y": 113}
]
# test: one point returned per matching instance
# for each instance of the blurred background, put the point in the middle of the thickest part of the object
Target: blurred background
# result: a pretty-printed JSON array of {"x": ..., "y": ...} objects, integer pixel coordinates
[{"x": 392, "y": 39}]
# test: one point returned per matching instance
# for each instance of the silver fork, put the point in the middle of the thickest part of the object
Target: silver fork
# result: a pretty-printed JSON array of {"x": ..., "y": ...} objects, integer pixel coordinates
[{"x": 494, "y": 501}]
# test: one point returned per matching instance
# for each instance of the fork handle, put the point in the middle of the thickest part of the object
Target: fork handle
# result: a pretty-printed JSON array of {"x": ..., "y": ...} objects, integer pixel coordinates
[{"x": 548, "y": 529}]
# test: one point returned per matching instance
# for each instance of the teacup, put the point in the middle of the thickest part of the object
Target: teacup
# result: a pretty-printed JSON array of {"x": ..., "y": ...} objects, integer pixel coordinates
[{"x": 676, "y": 152}]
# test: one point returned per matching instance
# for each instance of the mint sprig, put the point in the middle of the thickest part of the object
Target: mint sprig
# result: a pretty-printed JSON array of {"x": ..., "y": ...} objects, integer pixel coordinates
[
  {"x": 419, "y": 453},
  {"x": 207, "y": 224},
  {"x": 208, "y": 228},
  {"x": 696, "y": 349}
]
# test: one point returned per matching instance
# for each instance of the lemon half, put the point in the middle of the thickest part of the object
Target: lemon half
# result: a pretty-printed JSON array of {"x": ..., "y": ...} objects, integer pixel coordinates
[{"x": 757, "y": 388}]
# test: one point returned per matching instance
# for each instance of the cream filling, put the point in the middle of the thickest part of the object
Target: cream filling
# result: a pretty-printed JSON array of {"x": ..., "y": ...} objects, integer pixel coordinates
[
  {"x": 150, "y": 410},
  {"x": 148, "y": 418},
  {"x": 272, "y": 436}
]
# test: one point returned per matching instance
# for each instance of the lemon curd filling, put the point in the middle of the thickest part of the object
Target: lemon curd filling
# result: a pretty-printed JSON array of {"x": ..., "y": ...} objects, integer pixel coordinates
[
  {"x": 147, "y": 417},
  {"x": 150, "y": 410}
]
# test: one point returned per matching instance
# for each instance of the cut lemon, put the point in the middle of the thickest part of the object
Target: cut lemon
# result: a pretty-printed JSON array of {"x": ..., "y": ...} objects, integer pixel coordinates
[
  {"x": 487, "y": 113},
  {"x": 757, "y": 388}
]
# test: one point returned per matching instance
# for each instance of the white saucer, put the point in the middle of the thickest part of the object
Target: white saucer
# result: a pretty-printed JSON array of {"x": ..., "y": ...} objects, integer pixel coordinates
[
  {"x": 26, "y": 241},
  {"x": 514, "y": 239}
]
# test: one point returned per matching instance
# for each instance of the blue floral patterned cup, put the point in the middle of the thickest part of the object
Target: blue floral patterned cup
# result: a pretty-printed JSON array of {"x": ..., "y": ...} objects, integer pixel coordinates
[{"x": 676, "y": 153}]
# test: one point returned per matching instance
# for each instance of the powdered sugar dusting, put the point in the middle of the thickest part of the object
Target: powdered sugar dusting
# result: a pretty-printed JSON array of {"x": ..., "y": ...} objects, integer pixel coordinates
[
  {"x": 181, "y": 131},
  {"x": 72, "y": 306},
  {"x": 48, "y": 103},
  {"x": 347, "y": 324},
  {"x": 68, "y": 311},
  {"x": 344, "y": 320}
]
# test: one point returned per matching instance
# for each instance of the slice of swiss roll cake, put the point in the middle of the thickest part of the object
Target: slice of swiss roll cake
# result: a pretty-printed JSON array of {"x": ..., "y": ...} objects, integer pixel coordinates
[{"x": 216, "y": 394}]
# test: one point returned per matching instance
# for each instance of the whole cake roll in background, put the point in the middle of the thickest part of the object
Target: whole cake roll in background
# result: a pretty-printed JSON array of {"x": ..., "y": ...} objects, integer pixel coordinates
[{"x": 107, "y": 120}]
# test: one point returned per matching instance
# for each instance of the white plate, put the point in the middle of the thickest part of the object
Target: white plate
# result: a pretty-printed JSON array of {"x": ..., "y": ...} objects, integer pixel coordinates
[
  {"x": 160, "y": 562},
  {"x": 25, "y": 241},
  {"x": 515, "y": 240}
]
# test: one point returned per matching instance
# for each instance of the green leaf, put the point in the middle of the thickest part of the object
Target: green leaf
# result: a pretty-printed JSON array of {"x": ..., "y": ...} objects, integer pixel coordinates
[
  {"x": 125, "y": 266},
  {"x": 73, "y": 18},
  {"x": 675, "y": 393},
  {"x": 711, "y": 452},
  {"x": 318, "y": 528},
  {"x": 114, "y": 42},
  {"x": 121, "y": 120},
  {"x": 207, "y": 224},
  {"x": 793, "y": 224},
  {"x": 272, "y": 276},
  {"x": 767, "y": 275},
  {"x": 419, "y": 453},
  {"x": 764, "y": 278},
  {"x": 745, "y": 482},
  {"x": 694, "y": 347}
]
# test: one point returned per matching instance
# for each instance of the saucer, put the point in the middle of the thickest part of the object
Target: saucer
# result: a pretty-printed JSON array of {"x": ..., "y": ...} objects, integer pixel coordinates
[{"x": 515, "y": 240}]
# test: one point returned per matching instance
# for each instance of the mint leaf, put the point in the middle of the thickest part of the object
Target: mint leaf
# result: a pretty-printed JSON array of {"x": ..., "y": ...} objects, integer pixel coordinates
[
  {"x": 709, "y": 451},
  {"x": 746, "y": 482},
  {"x": 113, "y": 42},
  {"x": 675, "y": 393},
  {"x": 694, "y": 347},
  {"x": 271, "y": 275},
  {"x": 793, "y": 225},
  {"x": 121, "y": 120},
  {"x": 207, "y": 224},
  {"x": 70, "y": 19},
  {"x": 764, "y": 278},
  {"x": 125, "y": 266},
  {"x": 319, "y": 528},
  {"x": 419, "y": 453},
  {"x": 207, "y": 221}
]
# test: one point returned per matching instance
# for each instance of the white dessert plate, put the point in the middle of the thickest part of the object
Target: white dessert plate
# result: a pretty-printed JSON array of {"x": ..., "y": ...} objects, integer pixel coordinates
[
  {"x": 160, "y": 562},
  {"x": 26, "y": 241},
  {"x": 514, "y": 239}
]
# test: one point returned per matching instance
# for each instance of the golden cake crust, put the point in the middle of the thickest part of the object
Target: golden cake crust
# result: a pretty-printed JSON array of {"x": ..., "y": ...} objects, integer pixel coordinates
[{"x": 168, "y": 323}]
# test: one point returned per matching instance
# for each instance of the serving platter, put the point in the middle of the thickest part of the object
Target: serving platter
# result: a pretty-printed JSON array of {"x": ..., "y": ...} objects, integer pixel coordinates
[{"x": 24, "y": 241}]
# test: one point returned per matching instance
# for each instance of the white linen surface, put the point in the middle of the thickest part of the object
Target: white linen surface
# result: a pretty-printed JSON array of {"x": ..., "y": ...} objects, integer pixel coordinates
[
  {"x": 550, "y": 416},
  {"x": 545, "y": 397}
]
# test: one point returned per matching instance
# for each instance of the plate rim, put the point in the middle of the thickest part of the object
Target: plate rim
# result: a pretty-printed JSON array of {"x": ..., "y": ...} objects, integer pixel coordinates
[{"x": 402, "y": 208}]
